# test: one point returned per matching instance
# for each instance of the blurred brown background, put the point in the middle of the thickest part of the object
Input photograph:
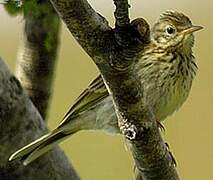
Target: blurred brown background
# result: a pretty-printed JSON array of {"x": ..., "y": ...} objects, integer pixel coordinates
[{"x": 100, "y": 156}]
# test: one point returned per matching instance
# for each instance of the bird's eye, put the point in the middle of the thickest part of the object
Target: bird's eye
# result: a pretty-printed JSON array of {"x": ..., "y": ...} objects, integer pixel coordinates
[{"x": 170, "y": 30}]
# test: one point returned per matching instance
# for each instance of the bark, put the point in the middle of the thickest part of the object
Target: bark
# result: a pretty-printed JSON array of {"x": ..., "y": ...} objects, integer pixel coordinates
[
  {"x": 115, "y": 51},
  {"x": 38, "y": 53},
  {"x": 121, "y": 13},
  {"x": 21, "y": 123}
]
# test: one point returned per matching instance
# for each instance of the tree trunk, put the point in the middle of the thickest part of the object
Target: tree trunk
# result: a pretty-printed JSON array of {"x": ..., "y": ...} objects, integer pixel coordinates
[
  {"x": 38, "y": 52},
  {"x": 21, "y": 123}
]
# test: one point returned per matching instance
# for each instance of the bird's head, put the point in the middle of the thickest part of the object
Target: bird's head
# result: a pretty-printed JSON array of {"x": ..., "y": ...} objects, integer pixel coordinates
[{"x": 174, "y": 30}]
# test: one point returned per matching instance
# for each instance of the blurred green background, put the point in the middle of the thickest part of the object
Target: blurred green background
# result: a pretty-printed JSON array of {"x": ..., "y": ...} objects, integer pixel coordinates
[{"x": 96, "y": 155}]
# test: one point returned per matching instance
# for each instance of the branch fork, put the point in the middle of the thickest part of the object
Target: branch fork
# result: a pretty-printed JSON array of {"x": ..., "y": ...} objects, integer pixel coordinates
[{"x": 110, "y": 50}]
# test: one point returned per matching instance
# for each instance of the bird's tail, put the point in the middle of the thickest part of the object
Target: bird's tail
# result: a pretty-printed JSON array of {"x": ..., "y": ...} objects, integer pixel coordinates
[{"x": 32, "y": 151}]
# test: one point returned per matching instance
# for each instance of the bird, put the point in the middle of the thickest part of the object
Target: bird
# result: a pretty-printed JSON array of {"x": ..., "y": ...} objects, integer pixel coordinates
[{"x": 166, "y": 69}]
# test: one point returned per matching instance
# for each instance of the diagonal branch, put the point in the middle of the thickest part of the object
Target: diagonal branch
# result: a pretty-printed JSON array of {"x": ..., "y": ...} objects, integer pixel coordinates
[
  {"x": 20, "y": 123},
  {"x": 152, "y": 158},
  {"x": 86, "y": 25}
]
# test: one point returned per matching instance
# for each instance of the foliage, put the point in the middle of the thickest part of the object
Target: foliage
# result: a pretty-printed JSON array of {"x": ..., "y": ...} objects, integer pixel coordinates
[{"x": 13, "y": 8}]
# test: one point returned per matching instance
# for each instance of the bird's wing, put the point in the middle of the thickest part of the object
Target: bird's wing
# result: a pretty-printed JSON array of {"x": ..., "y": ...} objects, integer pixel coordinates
[{"x": 95, "y": 92}]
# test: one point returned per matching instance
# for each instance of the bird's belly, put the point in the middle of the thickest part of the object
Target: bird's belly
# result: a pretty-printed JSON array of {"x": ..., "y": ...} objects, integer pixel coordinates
[{"x": 171, "y": 101}]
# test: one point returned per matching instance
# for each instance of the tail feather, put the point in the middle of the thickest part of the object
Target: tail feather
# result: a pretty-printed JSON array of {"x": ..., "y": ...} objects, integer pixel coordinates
[{"x": 39, "y": 147}]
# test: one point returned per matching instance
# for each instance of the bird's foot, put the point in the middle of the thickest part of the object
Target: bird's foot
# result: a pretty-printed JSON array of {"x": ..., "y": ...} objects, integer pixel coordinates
[
  {"x": 160, "y": 126},
  {"x": 171, "y": 155}
]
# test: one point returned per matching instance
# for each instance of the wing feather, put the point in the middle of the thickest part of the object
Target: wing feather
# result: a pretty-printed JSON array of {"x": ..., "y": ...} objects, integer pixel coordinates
[{"x": 95, "y": 92}]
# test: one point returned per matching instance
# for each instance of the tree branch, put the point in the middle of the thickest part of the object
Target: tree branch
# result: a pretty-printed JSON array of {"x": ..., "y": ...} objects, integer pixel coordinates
[
  {"x": 152, "y": 158},
  {"x": 121, "y": 13},
  {"x": 21, "y": 124},
  {"x": 117, "y": 65},
  {"x": 86, "y": 25},
  {"x": 37, "y": 55}
]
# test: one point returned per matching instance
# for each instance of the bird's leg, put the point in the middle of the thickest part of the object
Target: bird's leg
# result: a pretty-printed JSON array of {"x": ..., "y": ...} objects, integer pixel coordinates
[
  {"x": 173, "y": 159},
  {"x": 160, "y": 126}
]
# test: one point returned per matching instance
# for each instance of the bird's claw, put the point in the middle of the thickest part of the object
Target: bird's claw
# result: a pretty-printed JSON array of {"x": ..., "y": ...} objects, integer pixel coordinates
[
  {"x": 171, "y": 155},
  {"x": 160, "y": 126},
  {"x": 173, "y": 159}
]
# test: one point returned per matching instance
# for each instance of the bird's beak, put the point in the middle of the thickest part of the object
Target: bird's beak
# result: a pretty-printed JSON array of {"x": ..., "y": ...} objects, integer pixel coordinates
[{"x": 192, "y": 29}]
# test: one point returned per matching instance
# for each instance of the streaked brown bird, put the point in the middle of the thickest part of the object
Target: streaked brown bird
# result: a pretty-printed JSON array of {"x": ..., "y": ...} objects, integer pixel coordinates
[{"x": 166, "y": 69}]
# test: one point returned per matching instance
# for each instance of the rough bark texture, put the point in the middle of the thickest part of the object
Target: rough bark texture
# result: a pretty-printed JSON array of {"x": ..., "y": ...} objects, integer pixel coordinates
[
  {"x": 20, "y": 124},
  {"x": 37, "y": 54},
  {"x": 115, "y": 51},
  {"x": 121, "y": 13}
]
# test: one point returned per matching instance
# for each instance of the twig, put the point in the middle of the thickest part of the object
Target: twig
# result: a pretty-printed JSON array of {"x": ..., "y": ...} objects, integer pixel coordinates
[{"x": 121, "y": 13}]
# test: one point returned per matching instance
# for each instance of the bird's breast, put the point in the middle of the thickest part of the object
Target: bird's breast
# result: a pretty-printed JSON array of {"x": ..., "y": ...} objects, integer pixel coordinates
[{"x": 166, "y": 82}]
